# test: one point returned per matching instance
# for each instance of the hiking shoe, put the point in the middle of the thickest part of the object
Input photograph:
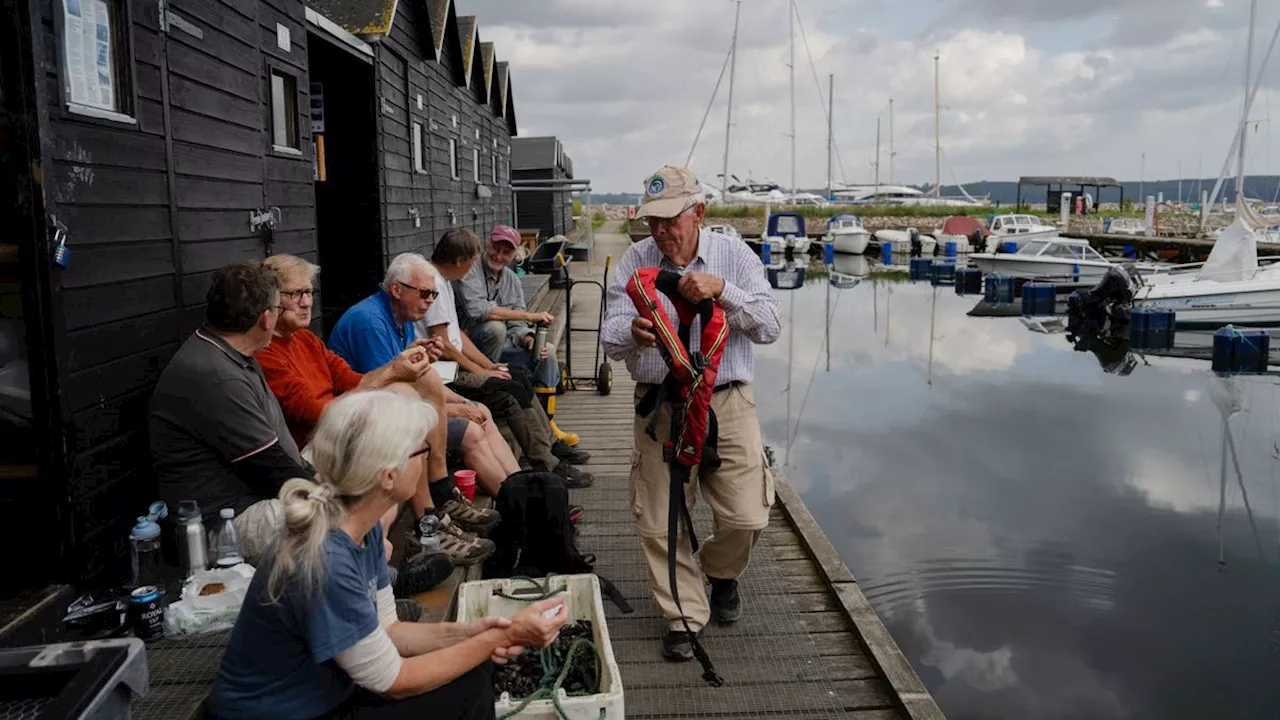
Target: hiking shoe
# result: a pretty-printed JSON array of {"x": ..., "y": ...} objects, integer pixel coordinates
[
  {"x": 421, "y": 573},
  {"x": 677, "y": 646},
  {"x": 469, "y": 515},
  {"x": 408, "y": 611},
  {"x": 726, "y": 604},
  {"x": 575, "y": 513},
  {"x": 562, "y": 450},
  {"x": 574, "y": 478},
  {"x": 463, "y": 547}
]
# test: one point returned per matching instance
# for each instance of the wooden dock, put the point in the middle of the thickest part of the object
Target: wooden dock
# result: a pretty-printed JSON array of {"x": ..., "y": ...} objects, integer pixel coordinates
[{"x": 808, "y": 646}]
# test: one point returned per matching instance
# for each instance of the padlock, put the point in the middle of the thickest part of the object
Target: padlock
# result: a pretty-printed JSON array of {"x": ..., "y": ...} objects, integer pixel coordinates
[{"x": 62, "y": 253}]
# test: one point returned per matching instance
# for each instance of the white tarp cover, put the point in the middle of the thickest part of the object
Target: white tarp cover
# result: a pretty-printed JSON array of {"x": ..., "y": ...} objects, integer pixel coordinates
[{"x": 1234, "y": 255}]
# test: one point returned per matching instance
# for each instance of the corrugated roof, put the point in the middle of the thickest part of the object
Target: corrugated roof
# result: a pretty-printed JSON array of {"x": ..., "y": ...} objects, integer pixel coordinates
[
  {"x": 1067, "y": 180},
  {"x": 358, "y": 17}
]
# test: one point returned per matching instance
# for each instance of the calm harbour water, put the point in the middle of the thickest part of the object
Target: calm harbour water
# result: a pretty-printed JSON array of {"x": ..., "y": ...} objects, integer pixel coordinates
[{"x": 1039, "y": 536}]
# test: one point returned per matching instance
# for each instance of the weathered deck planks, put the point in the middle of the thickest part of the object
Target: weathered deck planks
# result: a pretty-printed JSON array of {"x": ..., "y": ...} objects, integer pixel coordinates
[{"x": 798, "y": 652}]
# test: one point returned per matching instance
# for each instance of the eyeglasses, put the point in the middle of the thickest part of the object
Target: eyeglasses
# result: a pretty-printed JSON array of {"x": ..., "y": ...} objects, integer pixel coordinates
[
  {"x": 427, "y": 295},
  {"x": 426, "y": 448},
  {"x": 296, "y": 295},
  {"x": 657, "y": 222}
]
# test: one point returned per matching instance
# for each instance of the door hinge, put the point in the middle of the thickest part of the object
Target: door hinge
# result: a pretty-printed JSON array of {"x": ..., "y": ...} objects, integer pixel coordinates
[{"x": 169, "y": 19}]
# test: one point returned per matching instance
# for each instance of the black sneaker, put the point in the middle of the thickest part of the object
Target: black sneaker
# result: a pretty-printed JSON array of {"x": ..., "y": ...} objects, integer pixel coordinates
[
  {"x": 421, "y": 573},
  {"x": 726, "y": 604},
  {"x": 408, "y": 611},
  {"x": 677, "y": 646},
  {"x": 568, "y": 454},
  {"x": 574, "y": 478},
  {"x": 575, "y": 513}
]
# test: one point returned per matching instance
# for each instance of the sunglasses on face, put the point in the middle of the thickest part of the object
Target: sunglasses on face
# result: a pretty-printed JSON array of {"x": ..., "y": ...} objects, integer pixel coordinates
[
  {"x": 426, "y": 448},
  {"x": 657, "y": 222},
  {"x": 427, "y": 295},
  {"x": 296, "y": 295}
]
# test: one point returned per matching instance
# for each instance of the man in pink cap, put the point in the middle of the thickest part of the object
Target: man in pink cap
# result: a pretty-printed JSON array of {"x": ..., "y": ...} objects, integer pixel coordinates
[{"x": 492, "y": 312}]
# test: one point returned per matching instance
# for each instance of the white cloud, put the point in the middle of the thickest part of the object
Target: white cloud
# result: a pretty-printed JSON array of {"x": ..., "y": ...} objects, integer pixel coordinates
[{"x": 1027, "y": 87}]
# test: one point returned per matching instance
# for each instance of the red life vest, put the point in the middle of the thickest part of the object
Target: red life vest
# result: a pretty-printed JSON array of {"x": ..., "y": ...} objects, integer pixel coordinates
[{"x": 692, "y": 374}]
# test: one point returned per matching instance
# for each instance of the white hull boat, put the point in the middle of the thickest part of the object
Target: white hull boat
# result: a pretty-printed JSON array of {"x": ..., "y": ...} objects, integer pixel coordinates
[
  {"x": 901, "y": 240},
  {"x": 961, "y": 230},
  {"x": 1055, "y": 257},
  {"x": 847, "y": 235},
  {"x": 1020, "y": 229}
]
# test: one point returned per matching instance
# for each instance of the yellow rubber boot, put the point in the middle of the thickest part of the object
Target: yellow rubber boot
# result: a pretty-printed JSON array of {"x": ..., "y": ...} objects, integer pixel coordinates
[{"x": 547, "y": 396}]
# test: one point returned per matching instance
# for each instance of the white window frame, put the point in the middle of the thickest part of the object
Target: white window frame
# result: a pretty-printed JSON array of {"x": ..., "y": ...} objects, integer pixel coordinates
[
  {"x": 120, "y": 65},
  {"x": 292, "y": 145},
  {"x": 453, "y": 159},
  {"x": 475, "y": 164},
  {"x": 419, "y": 164},
  {"x": 494, "y": 169}
]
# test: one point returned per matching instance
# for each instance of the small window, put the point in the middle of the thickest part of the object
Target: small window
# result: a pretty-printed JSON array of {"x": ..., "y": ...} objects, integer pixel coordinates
[
  {"x": 96, "y": 59},
  {"x": 475, "y": 164},
  {"x": 417, "y": 148},
  {"x": 453, "y": 158},
  {"x": 284, "y": 112},
  {"x": 494, "y": 168}
]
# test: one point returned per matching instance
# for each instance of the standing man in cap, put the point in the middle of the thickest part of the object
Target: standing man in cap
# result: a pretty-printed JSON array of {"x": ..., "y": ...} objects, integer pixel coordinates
[
  {"x": 740, "y": 492},
  {"x": 492, "y": 312}
]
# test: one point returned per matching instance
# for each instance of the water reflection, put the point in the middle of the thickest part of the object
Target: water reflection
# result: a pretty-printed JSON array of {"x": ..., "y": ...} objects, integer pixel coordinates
[{"x": 1041, "y": 537}]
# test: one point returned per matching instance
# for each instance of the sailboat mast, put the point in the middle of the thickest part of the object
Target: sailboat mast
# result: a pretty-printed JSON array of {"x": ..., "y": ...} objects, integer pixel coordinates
[
  {"x": 877, "y": 155},
  {"x": 791, "y": 65},
  {"x": 831, "y": 109},
  {"x": 937, "y": 129},
  {"x": 1244, "y": 114},
  {"x": 728, "y": 115},
  {"x": 892, "y": 154}
]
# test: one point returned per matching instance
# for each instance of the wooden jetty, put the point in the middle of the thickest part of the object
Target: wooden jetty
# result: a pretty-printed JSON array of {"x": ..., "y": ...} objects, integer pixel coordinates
[{"x": 809, "y": 644}]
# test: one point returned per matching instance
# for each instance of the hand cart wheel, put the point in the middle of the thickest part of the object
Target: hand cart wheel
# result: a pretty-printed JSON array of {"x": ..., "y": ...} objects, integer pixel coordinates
[{"x": 604, "y": 378}]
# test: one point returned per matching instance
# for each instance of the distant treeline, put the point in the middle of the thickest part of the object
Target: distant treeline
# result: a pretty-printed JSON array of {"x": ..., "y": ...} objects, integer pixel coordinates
[{"x": 1262, "y": 187}]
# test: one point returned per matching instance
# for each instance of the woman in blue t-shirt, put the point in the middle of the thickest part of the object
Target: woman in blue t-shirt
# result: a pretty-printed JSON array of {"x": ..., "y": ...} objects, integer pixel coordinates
[{"x": 318, "y": 635}]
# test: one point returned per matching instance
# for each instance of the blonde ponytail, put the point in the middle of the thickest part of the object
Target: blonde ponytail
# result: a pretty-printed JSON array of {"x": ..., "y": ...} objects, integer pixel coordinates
[{"x": 359, "y": 436}]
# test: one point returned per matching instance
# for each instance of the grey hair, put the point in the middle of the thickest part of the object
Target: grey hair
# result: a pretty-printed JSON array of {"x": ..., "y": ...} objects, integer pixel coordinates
[
  {"x": 359, "y": 436},
  {"x": 402, "y": 267}
]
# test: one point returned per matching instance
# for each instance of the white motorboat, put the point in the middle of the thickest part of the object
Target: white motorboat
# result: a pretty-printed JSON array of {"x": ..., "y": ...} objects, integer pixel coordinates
[
  {"x": 1230, "y": 288},
  {"x": 962, "y": 230},
  {"x": 1020, "y": 229},
  {"x": 1126, "y": 226},
  {"x": 847, "y": 234},
  {"x": 785, "y": 231},
  {"x": 853, "y": 265},
  {"x": 1053, "y": 257},
  {"x": 901, "y": 240}
]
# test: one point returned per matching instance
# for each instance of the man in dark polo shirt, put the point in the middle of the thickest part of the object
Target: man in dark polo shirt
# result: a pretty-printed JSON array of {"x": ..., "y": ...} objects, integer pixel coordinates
[{"x": 218, "y": 435}]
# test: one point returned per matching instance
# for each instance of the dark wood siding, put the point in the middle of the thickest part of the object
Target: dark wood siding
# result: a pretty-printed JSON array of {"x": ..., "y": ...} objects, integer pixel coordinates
[
  {"x": 406, "y": 71},
  {"x": 151, "y": 210}
]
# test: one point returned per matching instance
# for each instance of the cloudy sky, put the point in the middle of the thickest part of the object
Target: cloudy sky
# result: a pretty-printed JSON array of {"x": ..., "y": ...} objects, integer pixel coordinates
[{"x": 1028, "y": 86}]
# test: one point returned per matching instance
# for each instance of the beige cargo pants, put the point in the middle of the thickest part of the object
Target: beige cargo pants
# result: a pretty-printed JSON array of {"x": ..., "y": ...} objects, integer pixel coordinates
[{"x": 739, "y": 493}]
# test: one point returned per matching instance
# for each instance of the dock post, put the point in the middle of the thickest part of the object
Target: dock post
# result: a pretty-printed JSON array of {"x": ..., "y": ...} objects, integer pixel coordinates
[
  {"x": 1151, "y": 216},
  {"x": 1065, "y": 212}
]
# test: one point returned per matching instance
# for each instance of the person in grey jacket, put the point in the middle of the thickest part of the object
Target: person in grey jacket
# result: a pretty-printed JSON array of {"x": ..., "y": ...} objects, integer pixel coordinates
[{"x": 493, "y": 313}]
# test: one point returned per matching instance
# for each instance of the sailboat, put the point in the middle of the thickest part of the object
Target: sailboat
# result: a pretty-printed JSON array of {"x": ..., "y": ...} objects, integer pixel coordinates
[{"x": 1230, "y": 287}]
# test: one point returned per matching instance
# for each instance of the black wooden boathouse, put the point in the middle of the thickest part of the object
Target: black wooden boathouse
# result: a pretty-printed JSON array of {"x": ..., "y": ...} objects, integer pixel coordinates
[{"x": 160, "y": 139}]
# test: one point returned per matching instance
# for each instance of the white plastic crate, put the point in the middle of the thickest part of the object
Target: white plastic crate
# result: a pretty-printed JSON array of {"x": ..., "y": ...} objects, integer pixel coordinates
[{"x": 582, "y": 602}]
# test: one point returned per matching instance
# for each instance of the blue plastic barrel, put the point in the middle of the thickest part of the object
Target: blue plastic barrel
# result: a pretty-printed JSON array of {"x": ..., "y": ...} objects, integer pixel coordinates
[
  {"x": 1151, "y": 329},
  {"x": 829, "y": 253},
  {"x": 950, "y": 248},
  {"x": 999, "y": 290},
  {"x": 1038, "y": 298},
  {"x": 1240, "y": 351},
  {"x": 1008, "y": 247},
  {"x": 766, "y": 252},
  {"x": 920, "y": 268},
  {"x": 886, "y": 253},
  {"x": 968, "y": 281},
  {"x": 942, "y": 273}
]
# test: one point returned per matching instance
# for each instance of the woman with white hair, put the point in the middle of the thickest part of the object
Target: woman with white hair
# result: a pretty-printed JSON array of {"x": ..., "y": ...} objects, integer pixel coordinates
[{"x": 317, "y": 636}]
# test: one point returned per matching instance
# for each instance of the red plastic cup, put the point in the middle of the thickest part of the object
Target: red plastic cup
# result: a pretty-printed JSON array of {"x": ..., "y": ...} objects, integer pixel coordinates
[{"x": 465, "y": 480}]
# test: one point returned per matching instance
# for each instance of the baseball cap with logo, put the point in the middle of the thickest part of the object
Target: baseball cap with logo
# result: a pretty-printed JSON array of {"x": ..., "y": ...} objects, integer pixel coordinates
[
  {"x": 669, "y": 191},
  {"x": 505, "y": 234}
]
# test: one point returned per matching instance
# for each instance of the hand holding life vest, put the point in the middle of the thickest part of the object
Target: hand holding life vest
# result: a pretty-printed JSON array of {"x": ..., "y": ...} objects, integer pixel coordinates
[{"x": 692, "y": 375}]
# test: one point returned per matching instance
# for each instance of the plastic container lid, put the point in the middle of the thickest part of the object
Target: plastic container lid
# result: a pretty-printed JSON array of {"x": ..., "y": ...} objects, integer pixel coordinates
[
  {"x": 227, "y": 513},
  {"x": 145, "y": 529},
  {"x": 188, "y": 510}
]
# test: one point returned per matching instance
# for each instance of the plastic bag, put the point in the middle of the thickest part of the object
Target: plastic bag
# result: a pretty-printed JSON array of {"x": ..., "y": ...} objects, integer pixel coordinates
[{"x": 214, "y": 611}]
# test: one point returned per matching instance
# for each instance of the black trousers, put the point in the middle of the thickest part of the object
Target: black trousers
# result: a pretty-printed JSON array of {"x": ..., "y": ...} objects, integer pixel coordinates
[{"x": 470, "y": 697}]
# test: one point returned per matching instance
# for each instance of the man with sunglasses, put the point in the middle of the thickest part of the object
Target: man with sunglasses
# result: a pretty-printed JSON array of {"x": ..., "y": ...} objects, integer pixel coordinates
[{"x": 740, "y": 491}]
